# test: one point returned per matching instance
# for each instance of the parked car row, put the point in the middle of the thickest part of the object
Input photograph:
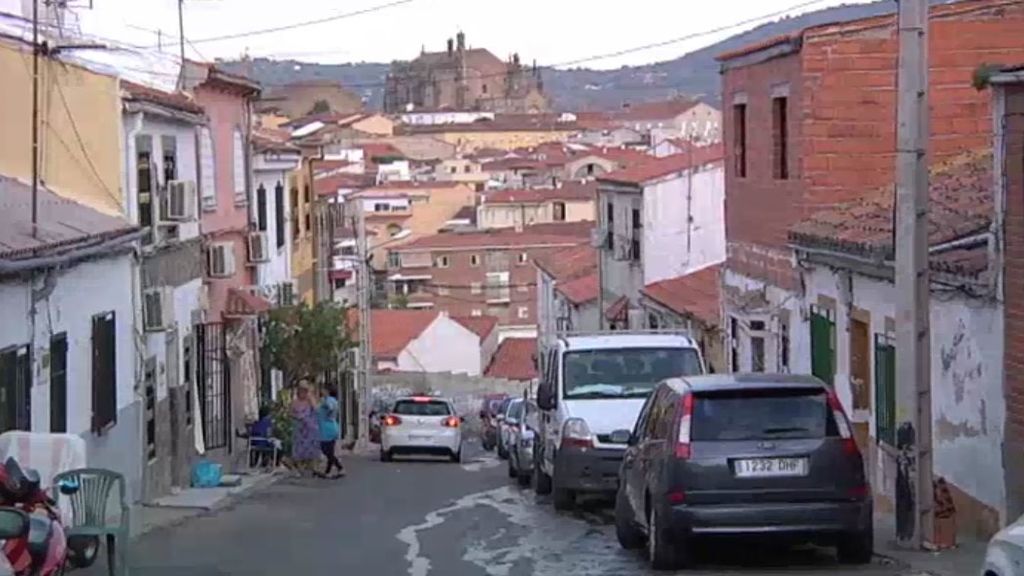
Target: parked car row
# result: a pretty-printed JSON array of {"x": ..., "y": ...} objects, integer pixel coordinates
[{"x": 689, "y": 456}]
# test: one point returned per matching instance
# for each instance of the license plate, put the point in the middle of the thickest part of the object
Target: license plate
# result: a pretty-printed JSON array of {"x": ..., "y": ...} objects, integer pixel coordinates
[
  {"x": 416, "y": 438},
  {"x": 770, "y": 467}
]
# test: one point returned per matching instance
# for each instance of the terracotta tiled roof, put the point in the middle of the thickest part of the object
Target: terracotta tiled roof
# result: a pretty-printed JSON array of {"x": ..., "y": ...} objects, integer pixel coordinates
[
  {"x": 617, "y": 309},
  {"x": 517, "y": 196},
  {"x": 757, "y": 46},
  {"x": 570, "y": 263},
  {"x": 664, "y": 110},
  {"x": 413, "y": 185},
  {"x": 696, "y": 294},
  {"x": 580, "y": 290},
  {"x": 272, "y": 139},
  {"x": 62, "y": 222},
  {"x": 329, "y": 185},
  {"x": 393, "y": 330},
  {"x": 514, "y": 360},
  {"x": 380, "y": 150},
  {"x": 654, "y": 168},
  {"x": 500, "y": 123},
  {"x": 961, "y": 205},
  {"x": 500, "y": 237},
  {"x": 482, "y": 326},
  {"x": 174, "y": 100},
  {"x": 624, "y": 156}
]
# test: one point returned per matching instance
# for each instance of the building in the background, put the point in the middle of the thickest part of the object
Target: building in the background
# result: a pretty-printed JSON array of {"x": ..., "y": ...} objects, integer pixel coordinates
[
  {"x": 659, "y": 219},
  {"x": 690, "y": 302},
  {"x": 567, "y": 285},
  {"x": 569, "y": 202},
  {"x": 300, "y": 99},
  {"x": 516, "y": 359},
  {"x": 504, "y": 131},
  {"x": 273, "y": 160},
  {"x": 482, "y": 273},
  {"x": 463, "y": 78}
]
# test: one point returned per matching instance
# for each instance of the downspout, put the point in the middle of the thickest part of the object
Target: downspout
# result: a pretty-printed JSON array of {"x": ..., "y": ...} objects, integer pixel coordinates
[
  {"x": 997, "y": 244},
  {"x": 131, "y": 132}
]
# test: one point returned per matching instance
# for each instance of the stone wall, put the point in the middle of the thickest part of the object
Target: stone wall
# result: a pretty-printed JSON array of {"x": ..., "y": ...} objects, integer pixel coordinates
[{"x": 467, "y": 392}]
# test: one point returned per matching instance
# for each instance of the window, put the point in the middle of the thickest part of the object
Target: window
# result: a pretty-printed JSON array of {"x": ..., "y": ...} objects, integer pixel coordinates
[
  {"x": 523, "y": 258},
  {"x": 523, "y": 313},
  {"x": 780, "y": 138},
  {"x": 442, "y": 290},
  {"x": 422, "y": 408},
  {"x": 169, "y": 146},
  {"x": 768, "y": 414},
  {"x": 885, "y": 389},
  {"x": 734, "y": 340},
  {"x": 476, "y": 313},
  {"x": 497, "y": 287},
  {"x": 784, "y": 344},
  {"x": 467, "y": 169},
  {"x": 305, "y": 193},
  {"x": 261, "y": 208},
  {"x": 59, "y": 383},
  {"x": 442, "y": 261},
  {"x": 652, "y": 322},
  {"x": 475, "y": 288},
  {"x": 207, "y": 170},
  {"x": 558, "y": 212},
  {"x": 636, "y": 234},
  {"x": 609, "y": 240},
  {"x": 484, "y": 88},
  {"x": 308, "y": 221},
  {"x": 16, "y": 388},
  {"x": 104, "y": 372},
  {"x": 238, "y": 167},
  {"x": 474, "y": 260},
  {"x": 144, "y": 184},
  {"x": 381, "y": 207},
  {"x": 394, "y": 260},
  {"x": 739, "y": 142},
  {"x": 295, "y": 213},
  {"x": 757, "y": 353},
  {"x": 340, "y": 283},
  {"x": 279, "y": 214}
]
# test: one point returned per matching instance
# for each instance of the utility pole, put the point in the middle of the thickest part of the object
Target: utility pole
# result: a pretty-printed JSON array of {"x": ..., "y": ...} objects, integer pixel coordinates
[
  {"x": 181, "y": 42},
  {"x": 35, "y": 117},
  {"x": 914, "y": 501},
  {"x": 363, "y": 287}
]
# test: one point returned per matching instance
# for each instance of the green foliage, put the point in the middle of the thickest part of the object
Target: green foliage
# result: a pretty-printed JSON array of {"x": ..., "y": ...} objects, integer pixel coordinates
[
  {"x": 282, "y": 420},
  {"x": 399, "y": 302},
  {"x": 306, "y": 342},
  {"x": 983, "y": 73},
  {"x": 320, "y": 107}
]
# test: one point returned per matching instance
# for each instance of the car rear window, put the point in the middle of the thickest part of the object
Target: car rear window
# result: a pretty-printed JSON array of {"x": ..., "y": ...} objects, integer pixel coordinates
[
  {"x": 762, "y": 414},
  {"x": 515, "y": 411},
  {"x": 418, "y": 408}
]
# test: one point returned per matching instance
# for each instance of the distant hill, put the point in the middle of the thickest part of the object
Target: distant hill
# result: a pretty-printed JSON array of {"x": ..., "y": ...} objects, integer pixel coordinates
[{"x": 694, "y": 74}]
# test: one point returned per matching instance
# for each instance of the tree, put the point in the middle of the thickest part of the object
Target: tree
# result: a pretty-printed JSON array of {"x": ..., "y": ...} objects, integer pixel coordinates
[
  {"x": 320, "y": 107},
  {"x": 306, "y": 342}
]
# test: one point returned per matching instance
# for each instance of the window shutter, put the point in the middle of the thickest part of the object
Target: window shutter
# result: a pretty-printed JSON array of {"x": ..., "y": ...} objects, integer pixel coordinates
[
  {"x": 239, "y": 166},
  {"x": 207, "y": 170},
  {"x": 104, "y": 372},
  {"x": 279, "y": 214}
]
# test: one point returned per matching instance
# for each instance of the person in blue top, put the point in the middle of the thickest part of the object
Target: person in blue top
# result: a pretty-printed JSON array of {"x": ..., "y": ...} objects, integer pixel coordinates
[{"x": 330, "y": 431}]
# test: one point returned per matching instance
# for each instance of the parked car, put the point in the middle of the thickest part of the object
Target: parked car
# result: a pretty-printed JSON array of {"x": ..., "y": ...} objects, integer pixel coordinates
[
  {"x": 592, "y": 385},
  {"x": 508, "y": 419},
  {"x": 520, "y": 444},
  {"x": 742, "y": 455},
  {"x": 421, "y": 425},
  {"x": 489, "y": 420},
  {"x": 1005, "y": 553}
]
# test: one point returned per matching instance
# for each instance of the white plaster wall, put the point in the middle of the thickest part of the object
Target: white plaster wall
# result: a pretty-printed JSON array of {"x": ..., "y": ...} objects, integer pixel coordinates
[
  {"x": 79, "y": 293},
  {"x": 445, "y": 346},
  {"x": 545, "y": 309},
  {"x": 278, "y": 269},
  {"x": 186, "y": 301},
  {"x": 779, "y": 301},
  {"x": 622, "y": 277},
  {"x": 185, "y": 145},
  {"x": 665, "y": 235},
  {"x": 968, "y": 411}
]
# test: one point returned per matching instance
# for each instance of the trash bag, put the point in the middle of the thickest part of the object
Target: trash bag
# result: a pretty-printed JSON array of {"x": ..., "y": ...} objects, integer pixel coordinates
[{"x": 206, "y": 474}]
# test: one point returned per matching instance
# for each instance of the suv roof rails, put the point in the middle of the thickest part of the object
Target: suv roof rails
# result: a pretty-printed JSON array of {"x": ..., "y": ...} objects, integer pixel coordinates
[{"x": 637, "y": 332}]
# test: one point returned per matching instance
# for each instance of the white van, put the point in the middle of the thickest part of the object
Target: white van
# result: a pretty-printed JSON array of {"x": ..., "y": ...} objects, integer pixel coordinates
[{"x": 591, "y": 389}]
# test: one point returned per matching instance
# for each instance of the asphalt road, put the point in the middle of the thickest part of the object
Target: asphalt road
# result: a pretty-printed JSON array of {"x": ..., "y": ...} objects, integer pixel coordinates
[{"x": 427, "y": 518}]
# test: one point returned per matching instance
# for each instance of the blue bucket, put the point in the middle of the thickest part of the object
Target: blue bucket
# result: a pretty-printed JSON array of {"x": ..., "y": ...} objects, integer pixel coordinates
[{"x": 206, "y": 474}]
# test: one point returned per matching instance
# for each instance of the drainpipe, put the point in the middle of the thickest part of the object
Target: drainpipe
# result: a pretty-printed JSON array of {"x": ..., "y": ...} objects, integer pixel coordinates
[{"x": 131, "y": 131}]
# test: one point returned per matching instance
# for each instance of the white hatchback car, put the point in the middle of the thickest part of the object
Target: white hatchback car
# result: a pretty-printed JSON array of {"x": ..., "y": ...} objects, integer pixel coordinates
[{"x": 421, "y": 425}]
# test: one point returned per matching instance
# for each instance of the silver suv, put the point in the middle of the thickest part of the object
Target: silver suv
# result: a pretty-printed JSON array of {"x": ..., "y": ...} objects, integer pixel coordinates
[{"x": 742, "y": 455}]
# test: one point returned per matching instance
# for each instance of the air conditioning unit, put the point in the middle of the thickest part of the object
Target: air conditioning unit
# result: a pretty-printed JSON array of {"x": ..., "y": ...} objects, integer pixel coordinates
[
  {"x": 221, "y": 260},
  {"x": 157, "y": 309},
  {"x": 180, "y": 204},
  {"x": 259, "y": 247}
]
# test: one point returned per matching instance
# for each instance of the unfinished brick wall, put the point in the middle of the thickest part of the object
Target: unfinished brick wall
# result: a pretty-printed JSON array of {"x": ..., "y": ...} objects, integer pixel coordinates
[{"x": 1013, "y": 363}]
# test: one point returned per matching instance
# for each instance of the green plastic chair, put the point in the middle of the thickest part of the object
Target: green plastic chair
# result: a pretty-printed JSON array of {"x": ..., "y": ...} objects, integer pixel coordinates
[{"x": 89, "y": 508}]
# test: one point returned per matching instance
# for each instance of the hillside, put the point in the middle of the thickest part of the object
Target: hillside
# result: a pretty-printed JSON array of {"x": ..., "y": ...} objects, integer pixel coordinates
[{"x": 694, "y": 74}]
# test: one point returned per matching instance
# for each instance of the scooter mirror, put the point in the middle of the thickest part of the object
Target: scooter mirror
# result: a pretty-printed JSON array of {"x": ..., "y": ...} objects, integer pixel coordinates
[{"x": 13, "y": 523}]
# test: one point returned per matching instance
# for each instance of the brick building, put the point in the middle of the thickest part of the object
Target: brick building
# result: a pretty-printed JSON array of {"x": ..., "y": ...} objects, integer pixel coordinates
[
  {"x": 809, "y": 122},
  {"x": 1009, "y": 165},
  {"x": 480, "y": 272}
]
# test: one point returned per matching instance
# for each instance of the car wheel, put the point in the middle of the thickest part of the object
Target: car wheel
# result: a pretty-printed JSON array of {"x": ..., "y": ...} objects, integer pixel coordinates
[
  {"x": 456, "y": 457},
  {"x": 512, "y": 473},
  {"x": 662, "y": 551},
  {"x": 523, "y": 479},
  {"x": 385, "y": 455},
  {"x": 630, "y": 537},
  {"x": 856, "y": 548},
  {"x": 541, "y": 481}
]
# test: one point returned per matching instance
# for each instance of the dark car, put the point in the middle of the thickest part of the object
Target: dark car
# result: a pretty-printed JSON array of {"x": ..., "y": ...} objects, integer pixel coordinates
[
  {"x": 490, "y": 408},
  {"x": 742, "y": 455}
]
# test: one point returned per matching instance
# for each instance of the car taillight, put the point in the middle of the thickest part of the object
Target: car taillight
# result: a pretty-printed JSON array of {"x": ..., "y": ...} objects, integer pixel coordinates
[
  {"x": 677, "y": 497},
  {"x": 451, "y": 422},
  {"x": 685, "y": 424},
  {"x": 839, "y": 415},
  {"x": 577, "y": 433},
  {"x": 391, "y": 420}
]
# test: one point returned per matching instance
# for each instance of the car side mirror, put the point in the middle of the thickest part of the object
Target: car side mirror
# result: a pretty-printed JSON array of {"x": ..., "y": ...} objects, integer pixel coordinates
[
  {"x": 13, "y": 524},
  {"x": 546, "y": 398},
  {"x": 621, "y": 437}
]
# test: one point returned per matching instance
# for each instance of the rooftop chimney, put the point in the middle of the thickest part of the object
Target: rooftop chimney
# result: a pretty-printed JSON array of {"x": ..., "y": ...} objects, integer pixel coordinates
[
  {"x": 461, "y": 36},
  {"x": 451, "y": 47}
]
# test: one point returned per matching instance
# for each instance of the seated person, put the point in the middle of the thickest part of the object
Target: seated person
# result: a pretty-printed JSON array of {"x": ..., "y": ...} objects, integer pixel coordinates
[{"x": 261, "y": 433}]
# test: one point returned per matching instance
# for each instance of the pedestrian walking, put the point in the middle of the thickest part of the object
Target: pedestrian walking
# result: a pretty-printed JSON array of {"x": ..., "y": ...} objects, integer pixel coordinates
[
  {"x": 305, "y": 429},
  {"x": 330, "y": 431}
]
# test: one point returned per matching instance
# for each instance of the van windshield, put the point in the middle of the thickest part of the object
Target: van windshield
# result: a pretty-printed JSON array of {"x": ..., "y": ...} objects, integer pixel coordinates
[{"x": 625, "y": 373}]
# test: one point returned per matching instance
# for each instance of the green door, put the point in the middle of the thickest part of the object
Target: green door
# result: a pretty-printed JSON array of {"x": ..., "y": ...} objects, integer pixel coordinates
[{"x": 823, "y": 353}]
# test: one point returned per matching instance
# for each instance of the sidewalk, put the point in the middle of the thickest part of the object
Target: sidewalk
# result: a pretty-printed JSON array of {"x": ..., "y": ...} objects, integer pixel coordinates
[
  {"x": 189, "y": 502},
  {"x": 964, "y": 560}
]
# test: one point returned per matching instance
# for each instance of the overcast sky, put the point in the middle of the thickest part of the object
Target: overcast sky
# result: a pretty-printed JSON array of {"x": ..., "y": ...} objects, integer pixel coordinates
[{"x": 550, "y": 31}]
